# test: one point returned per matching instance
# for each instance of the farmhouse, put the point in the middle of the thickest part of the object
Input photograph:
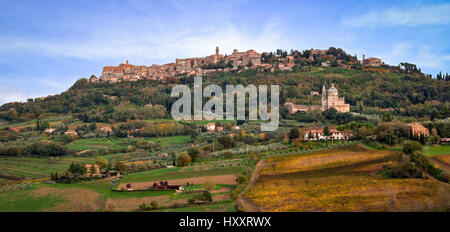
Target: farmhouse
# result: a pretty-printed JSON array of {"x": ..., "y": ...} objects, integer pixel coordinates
[
  {"x": 319, "y": 135},
  {"x": 49, "y": 130},
  {"x": 313, "y": 93},
  {"x": 71, "y": 132},
  {"x": 211, "y": 126},
  {"x": 105, "y": 129},
  {"x": 444, "y": 141},
  {"x": 88, "y": 169}
]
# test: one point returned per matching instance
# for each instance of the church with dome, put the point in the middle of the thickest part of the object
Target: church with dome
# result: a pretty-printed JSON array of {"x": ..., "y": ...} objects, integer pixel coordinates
[{"x": 331, "y": 99}]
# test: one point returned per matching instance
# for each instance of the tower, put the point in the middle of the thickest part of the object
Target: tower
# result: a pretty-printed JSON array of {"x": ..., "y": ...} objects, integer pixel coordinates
[
  {"x": 364, "y": 60},
  {"x": 324, "y": 97},
  {"x": 127, "y": 61},
  {"x": 217, "y": 50}
]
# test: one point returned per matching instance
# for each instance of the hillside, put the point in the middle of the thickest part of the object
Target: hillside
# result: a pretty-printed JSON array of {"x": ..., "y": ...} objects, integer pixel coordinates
[{"x": 366, "y": 91}]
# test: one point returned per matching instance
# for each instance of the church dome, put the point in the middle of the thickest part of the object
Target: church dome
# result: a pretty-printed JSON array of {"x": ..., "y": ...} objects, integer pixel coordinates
[{"x": 332, "y": 89}]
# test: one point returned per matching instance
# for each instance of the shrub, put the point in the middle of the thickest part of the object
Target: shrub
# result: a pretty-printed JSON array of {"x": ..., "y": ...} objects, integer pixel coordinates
[
  {"x": 411, "y": 146},
  {"x": 183, "y": 159},
  {"x": 144, "y": 207},
  {"x": 294, "y": 133},
  {"x": 154, "y": 205},
  {"x": 241, "y": 179},
  {"x": 228, "y": 154},
  {"x": 227, "y": 141},
  {"x": 405, "y": 170},
  {"x": 209, "y": 184}
]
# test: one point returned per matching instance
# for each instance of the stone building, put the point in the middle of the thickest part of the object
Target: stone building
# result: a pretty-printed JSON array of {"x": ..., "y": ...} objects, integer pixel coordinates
[
  {"x": 331, "y": 99},
  {"x": 293, "y": 108},
  {"x": 418, "y": 129},
  {"x": 248, "y": 58},
  {"x": 96, "y": 170},
  {"x": 371, "y": 62}
]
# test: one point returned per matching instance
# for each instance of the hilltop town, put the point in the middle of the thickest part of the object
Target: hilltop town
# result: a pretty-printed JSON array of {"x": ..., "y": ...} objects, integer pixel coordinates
[{"x": 236, "y": 62}]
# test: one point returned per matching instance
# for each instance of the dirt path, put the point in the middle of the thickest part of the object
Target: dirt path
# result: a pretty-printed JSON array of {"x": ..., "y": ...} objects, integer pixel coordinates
[{"x": 247, "y": 204}]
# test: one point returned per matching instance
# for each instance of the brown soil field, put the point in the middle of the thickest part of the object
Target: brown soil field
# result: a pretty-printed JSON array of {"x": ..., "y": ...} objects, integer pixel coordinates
[
  {"x": 222, "y": 190},
  {"x": 221, "y": 197},
  {"x": 75, "y": 199},
  {"x": 223, "y": 179}
]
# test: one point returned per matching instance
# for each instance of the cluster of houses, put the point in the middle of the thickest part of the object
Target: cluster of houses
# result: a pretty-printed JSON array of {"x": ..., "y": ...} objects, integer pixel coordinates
[
  {"x": 49, "y": 131},
  {"x": 211, "y": 127},
  {"x": 100, "y": 173},
  {"x": 189, "y": 66},
  {"x": 216, "y": 62}
]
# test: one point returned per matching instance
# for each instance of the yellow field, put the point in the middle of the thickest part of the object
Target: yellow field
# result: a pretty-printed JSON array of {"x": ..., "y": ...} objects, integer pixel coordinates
[
  {"x": 342, "y": 180},
  {"x": 329, "y": 159}
]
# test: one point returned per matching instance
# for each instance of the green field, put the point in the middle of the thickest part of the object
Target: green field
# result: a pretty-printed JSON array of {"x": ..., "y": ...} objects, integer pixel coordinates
[
  {"x": 38, "y": 167},
  {"x": 103, "y": 143},
  {"x": 437, "y": 150},
  {"x": 24, "y": 201}
]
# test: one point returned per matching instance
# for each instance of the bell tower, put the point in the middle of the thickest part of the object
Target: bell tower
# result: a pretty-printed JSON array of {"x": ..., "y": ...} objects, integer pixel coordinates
[
  {"x": 324, "y": 97},
  {"x": 217, "y": 50}
]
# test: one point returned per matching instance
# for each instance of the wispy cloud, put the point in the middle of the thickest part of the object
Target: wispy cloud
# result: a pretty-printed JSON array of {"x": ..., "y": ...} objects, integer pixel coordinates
[
  {"x": 6, "y": 95},
  {"x": 423, "y": 56},
  {"x": 397, "y": 16},
  {"x": 164, "y": 44}
]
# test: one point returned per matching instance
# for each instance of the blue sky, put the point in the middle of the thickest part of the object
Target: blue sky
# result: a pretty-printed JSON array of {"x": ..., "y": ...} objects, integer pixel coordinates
[{"x": 45, "y": 46}]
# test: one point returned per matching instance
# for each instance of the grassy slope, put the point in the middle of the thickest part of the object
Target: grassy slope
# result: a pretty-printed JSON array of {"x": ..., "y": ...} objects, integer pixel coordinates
[
  {"x": 437, "y": 150},
  {"x": 24, "y": 201}
]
